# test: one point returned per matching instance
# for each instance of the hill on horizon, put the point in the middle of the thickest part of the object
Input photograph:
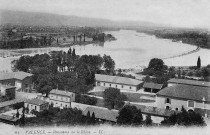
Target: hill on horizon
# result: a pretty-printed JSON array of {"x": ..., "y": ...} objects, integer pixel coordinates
[{"x": 48, "y": 19}]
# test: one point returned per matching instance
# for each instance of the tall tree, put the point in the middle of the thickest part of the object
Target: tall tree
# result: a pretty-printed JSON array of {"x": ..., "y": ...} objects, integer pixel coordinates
[
  {"x": 129, "y": 115},
  {"x": 109, "y": 63},
  {"x": 113, "y": 98},
  {"x": 69, "y": 51},
  {"x": 156, "y": 64},
  {"x": 199, "y": 62},
  {"x": 148, "y": 120},
  {"x": 73, "y": 53},
  {"x": 138, "y": 118}
]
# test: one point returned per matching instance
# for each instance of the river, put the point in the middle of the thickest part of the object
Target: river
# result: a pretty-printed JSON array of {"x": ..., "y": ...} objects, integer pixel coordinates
[{"x": 130, "y": 50}]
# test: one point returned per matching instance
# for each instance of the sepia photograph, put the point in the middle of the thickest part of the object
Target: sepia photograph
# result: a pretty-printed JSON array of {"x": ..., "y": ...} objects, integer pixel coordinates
[{"x": 104, "y": 67}]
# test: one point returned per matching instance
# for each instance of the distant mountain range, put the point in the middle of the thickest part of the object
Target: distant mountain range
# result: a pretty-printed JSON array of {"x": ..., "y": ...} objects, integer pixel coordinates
[{"x": 47, "y": 19}]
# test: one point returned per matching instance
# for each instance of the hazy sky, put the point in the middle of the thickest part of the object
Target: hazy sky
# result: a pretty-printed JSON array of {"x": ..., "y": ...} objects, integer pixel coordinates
[{"x": 190, "y": 13}]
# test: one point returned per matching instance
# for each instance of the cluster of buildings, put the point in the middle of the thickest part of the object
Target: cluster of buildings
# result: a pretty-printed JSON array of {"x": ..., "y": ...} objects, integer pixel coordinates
[{"x": 190, "y": 94}]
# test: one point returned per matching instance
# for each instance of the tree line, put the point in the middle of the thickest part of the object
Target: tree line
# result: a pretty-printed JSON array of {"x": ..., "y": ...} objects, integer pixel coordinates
[
  {"x": 128, "y": 115},
  {"x": 201, "y": 39},
  {"x": 63, "y": 70}
]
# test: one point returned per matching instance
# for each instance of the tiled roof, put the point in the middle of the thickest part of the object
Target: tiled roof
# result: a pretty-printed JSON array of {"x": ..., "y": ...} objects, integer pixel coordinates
[
  {"x": 190, "y": 82},
  {"x": 187, "y": 92},
  {"x": 8, "y": 118},
  {"x": 61, "y": 92},
  {"x": 11, "y": 102},
  {"x": 152, "y": 85},
  {"x": 7, "y": 86},
  {"x": 36, "y": 101},
  {"x": 117, "y": 79},
  {"x": 102, "y": 113},
  {"x": 14, "y": 75}
]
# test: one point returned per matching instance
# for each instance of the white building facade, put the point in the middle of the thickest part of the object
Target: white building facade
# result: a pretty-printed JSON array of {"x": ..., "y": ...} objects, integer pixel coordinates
[
  {"x": 61, "y": 99},
  {"x": 122, "y": 83}
]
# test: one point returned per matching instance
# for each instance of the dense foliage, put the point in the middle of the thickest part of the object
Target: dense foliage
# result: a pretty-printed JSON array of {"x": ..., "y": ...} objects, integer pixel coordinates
[
  {"x": 184, "y": 118},
  {"x": 129, "y": 115},
  {"x": 85, "y": 99},
  {"x": 160, "y": 71},
  {"x": 66, "y": 71},
  {"x": 113, "y": 98},
  {"x": 198, "y": 38},
  {"x": 37, "y": 36},
  {"x": 60, "y": 117}
]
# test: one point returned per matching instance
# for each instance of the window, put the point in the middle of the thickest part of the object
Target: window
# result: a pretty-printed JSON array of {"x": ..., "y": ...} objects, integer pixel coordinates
[
  {"x": 110, "y": 85},
  {"x": 98, "y": 83},
  {"x": 168, "y": 100},
  {"x": 66, "y": 99},
  {"x": 167, "y": 107},
  {"x": 66, "y": 106},
  {"x": 56, "y": 97},
  {"x": 35, "y": 108},
  {"x": 61, "y": 98},
  {"x": 104, "y": 84},
  {"x": 122, "y": 86},
  {"x": 130, "y": 87},
  {"x": 61, "y": 105},
  {"x": 191, "y": 104},
  {"x": 116, "y": 86}
]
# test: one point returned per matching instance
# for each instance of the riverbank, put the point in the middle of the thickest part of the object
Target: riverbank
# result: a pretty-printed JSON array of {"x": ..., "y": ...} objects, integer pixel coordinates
[
  {"x": 197, "y": 38},
  {"x": 130, "y": 50}
]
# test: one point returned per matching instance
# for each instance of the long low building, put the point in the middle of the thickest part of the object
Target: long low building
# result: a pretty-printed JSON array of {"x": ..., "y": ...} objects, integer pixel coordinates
[
  {"x": 123, "y": 83},
  {"x": 104, "y": 114}
]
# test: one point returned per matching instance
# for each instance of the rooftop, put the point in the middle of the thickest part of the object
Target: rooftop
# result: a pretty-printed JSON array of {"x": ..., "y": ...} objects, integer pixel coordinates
[
  {"x": 152, "y": 85},
  {"x": 188, "y": 92},
  {"x": 102, "y": 113},
  {"x": 190, "y": 82},
  {"x": 7, "y": 86},
  {"x": 117, "y": 79},
  {"x": 11, "y": 102},
  {"x": 36, "y": 101},
  {"x": 14, "y": 75},
  {"x": 8, "y": 118},
  {"x": 61, "y": 92}
]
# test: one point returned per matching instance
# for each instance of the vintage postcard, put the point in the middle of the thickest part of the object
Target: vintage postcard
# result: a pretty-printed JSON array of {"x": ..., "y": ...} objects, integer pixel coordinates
[{"x": 104, "y": 67}]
